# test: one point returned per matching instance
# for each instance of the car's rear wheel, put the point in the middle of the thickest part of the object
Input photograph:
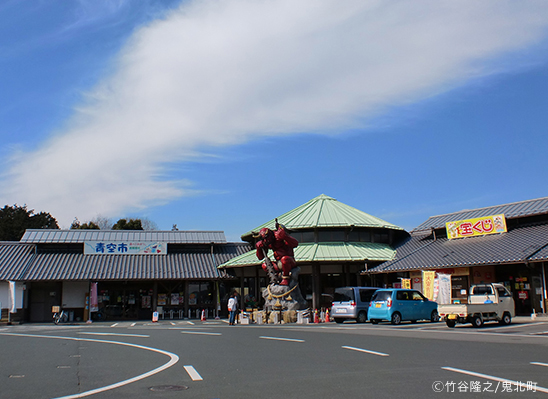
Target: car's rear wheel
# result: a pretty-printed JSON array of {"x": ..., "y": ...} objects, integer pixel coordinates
[
  {"x": 434, "y": 317},
  {"x": 362, "y": 317},
  {"x": 506, "y": 319},
  {"x": 477, "y": 321},
  {"x": 396, "y": 318},
  {"x": 338, "y": 320}
]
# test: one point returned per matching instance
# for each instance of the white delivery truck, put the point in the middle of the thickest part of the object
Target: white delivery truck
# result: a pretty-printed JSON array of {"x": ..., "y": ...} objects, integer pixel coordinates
[{"x": 486, "y": 302}]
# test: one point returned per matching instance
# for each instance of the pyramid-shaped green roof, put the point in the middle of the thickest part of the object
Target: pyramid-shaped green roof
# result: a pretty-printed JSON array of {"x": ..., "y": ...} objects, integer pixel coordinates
[
  {"x": 325, "y": 252},
  {"x": 324, "y": 211}
]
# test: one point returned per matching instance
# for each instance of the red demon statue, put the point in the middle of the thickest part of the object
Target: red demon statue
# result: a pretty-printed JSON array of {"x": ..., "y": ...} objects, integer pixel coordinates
[{"x": 282, "y": 244}]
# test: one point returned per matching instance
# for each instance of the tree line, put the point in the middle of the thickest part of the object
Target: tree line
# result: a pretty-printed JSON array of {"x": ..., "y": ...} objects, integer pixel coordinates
[{"x": 14, "y": 220}]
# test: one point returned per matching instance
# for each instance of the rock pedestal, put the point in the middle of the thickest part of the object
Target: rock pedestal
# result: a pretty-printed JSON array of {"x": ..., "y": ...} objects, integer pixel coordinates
[{"x": 284, "y": 297}]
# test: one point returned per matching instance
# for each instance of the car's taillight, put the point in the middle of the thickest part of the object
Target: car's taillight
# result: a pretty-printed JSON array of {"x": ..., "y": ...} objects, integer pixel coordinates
[
  {"x": 389, "y": 303},
  {"x": 370, "y": 304},
  {"x": 352, "y": 303}
]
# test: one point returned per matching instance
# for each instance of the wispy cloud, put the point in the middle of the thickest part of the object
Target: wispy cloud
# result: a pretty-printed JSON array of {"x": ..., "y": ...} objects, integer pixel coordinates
[{"x": 220, "y": 73}]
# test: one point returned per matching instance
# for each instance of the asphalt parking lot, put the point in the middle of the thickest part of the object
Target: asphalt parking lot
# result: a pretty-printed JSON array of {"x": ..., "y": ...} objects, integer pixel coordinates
[{"x": 193, "y": 359}]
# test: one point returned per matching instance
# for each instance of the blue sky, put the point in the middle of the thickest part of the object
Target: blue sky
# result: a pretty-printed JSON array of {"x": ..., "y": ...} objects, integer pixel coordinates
[{"x": 221, "y": 116}]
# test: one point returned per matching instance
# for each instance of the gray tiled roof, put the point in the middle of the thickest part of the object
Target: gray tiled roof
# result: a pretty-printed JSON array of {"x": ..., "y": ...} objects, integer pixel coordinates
[
  {"x": 532, "y": 207},
  {"x": 14, "y": 258},
  {"x": 78, "y": 236},
  {"x": 521, "y": 244},
  {"x": 64, "y": 266}
]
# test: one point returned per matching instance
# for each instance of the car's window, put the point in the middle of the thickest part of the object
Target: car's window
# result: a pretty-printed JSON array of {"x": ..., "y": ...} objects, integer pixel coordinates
[
  {"x": 503, "y": 291},
  {"x": 417, "y": 296},
  {"x": 381, "y": 295},
  {"x": 365, "y": 295},
  {"x": 402, "y": 295},
  {"x": 482, "y": 290},
  {"x": 343, "y": 295}
]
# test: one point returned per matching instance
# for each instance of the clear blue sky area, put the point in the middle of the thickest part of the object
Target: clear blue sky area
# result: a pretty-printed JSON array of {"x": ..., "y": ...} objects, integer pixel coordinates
[{"x": 213, "y": 118}]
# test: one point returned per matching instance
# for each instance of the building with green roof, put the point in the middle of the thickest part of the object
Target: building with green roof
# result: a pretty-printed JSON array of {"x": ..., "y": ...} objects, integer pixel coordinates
[{"x": 336, "y": 243}]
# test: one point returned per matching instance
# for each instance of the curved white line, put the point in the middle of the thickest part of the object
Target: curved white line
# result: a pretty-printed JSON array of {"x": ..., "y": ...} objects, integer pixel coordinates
[{"x": 173, "y": 359}]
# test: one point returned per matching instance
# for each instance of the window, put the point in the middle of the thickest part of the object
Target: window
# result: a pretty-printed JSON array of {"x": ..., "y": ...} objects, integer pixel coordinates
[
  {"x": 381, "y": 238},
  {"x": 359, "y": 236},
  {"x": 381, "y": 295},
  {"x": 343, "y": 295},
  {"x": 417, "y": 296},
  {"x": 503, "y": 292},
  {"x": 303, "y": 236},
  {"x": 365, "y": 295},
  {"x": 402, "y": 295},
  {"x": 482, "y": 290},
  {"x": 331, "y": 235}
]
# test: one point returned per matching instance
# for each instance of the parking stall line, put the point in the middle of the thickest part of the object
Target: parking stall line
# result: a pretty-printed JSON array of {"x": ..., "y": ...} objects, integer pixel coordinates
[
  {"x": 115, "y": 334},
  {"x": 365, "y": 351},
  {"x": 494, "y": 378},
  {"x": 200, "y": 333},
  {"x": 194, "y": 375},
  {"x": 539, "y": 364},
  {"x": 282, "y": 339},
  {"x": 114, "y": 325}
]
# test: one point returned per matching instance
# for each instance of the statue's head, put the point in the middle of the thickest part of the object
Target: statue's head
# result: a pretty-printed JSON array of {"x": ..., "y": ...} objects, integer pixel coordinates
[{"x": 266, "y": 235}]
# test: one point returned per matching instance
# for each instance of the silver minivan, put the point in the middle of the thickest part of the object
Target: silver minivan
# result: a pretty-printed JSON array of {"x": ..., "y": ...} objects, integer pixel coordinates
[{"x": 351, "y": 303}]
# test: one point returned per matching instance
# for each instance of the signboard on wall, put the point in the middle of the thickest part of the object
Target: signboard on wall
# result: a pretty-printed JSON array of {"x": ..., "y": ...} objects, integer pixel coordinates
[
  {"x": 124, "y": 248},
  {"x": 476, "y": 227}
]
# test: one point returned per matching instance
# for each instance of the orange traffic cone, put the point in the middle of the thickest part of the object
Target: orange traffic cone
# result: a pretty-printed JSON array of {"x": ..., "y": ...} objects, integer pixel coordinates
[
  {"x": 203, "y": 315},
  {"x": 327, "y": 316},
  {"x": 316, "y": 317}
]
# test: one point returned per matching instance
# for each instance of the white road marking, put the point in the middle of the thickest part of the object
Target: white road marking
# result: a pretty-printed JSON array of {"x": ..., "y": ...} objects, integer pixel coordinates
[
  {"x": 539, "y": 364},
  {"x": 173, "y": 324},
  {"x": 488, "y": 325},
  {"x": 490, "y": 377},
  {"x": 115, "y": 334},
  {"x": 193, "y": 373},
  {"x": 283, "y": 339},
  {"x": 114, "y": 325},
  {"x": 366, "y": 351},
  {"x": 200, "y": 333},
  {"x": 133, "y": 324},
  {"x": 173, "y": 360},
  {"x": 189, "y": 322}
]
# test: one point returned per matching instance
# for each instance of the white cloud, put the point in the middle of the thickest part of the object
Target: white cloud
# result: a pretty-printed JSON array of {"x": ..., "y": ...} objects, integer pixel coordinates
[{"x": 220, "y": 73}]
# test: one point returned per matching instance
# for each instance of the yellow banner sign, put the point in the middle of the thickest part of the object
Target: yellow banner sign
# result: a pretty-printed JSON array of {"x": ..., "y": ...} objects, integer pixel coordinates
[
  {"x": 406, "y": 283},
  {"x": 428, "y": 284},
  {"x": 476, "y": 227}
]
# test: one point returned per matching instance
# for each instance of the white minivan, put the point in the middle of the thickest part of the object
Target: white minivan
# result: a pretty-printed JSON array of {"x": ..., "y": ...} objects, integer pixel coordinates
[{"x": 351, "y": 303}]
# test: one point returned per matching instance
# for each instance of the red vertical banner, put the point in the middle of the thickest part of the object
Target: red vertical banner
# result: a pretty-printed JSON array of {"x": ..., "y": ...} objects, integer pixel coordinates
[{"x": 94, "y": 303}]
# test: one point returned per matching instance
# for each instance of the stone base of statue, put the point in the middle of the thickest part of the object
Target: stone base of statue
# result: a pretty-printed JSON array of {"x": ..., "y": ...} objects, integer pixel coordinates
[{"x": 284, "y": 297}]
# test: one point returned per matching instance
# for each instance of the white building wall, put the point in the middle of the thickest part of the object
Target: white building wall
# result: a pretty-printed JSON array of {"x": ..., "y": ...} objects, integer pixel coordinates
[{"x": 74, "y": 294}]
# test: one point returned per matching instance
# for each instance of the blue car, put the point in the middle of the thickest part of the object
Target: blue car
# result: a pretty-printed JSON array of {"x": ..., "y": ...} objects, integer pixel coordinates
[{"x": 397, "y": 305}]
